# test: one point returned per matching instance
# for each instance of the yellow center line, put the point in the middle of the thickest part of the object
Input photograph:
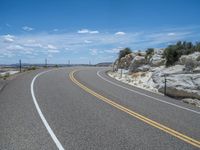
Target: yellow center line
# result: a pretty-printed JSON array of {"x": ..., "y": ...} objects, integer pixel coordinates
[{"x": 135, "y": 114}]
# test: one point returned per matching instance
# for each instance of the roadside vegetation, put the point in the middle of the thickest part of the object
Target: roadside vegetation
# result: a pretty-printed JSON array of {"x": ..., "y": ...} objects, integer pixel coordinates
[
  {"x": 173, "y": 52},
  {"x": 4, "y": 77}
]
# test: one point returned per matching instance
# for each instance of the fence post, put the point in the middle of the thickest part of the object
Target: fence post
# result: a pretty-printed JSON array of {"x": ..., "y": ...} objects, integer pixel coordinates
[{"x": 165, "y": 88}]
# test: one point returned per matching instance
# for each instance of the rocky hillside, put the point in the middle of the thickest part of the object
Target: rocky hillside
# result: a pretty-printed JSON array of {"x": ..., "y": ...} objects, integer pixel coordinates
[{"x": 148, "y": 70}]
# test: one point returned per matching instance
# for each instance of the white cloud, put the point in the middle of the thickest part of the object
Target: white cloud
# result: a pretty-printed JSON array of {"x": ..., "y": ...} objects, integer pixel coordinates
[
  {"x": 8, "y": 38},
  {"x": 171, "y": 34},
  {"x": 49, "y": 46},
  {"x": 104, "y": 44},
  {"x": 15, "y": 47},
  {"x": 120, "y": 33},
  {"x": 88, "y": 41},
  {"x": 53, "y": 51},
  {"x": 82, "y": 31},
  {"x": 26, "y": 28},
  {"x": 94, "y": 32}
]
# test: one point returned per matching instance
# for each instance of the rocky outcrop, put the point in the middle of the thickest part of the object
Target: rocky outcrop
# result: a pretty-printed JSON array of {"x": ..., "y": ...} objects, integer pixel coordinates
[
  {"x": 183, "y": 79},
  {"x": 182, "y": 86},
  {"x": 136, "y": 62},
  {"x": 157, "y": 60},
  {"x": 194, "y": 57},
  {"x": 126, "y": 61},
  {"x": 178, "y": 85},
  {"x": 144, "y": 68}
]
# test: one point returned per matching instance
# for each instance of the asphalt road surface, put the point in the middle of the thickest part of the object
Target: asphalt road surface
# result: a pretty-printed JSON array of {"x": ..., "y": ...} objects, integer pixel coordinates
[{"x": 83, "y": 108}]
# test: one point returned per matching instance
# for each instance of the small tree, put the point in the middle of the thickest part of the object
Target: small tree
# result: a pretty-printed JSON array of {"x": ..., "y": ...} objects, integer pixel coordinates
[
  {"x": 171, "y": 55},
  {"x": 149, "y": 53},
  {"x": 124, "y": 52}
]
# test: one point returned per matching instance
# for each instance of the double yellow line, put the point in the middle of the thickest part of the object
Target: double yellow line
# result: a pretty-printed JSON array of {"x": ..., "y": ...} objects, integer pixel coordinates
[{"x": 135, "y": 114}]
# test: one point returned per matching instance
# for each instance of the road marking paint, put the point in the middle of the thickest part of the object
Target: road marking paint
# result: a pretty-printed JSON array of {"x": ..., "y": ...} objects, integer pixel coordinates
[
  {"x": 50, "y": 131},
  {"x": 135, "y": 114},
  {"x": 172, "y": 104}
]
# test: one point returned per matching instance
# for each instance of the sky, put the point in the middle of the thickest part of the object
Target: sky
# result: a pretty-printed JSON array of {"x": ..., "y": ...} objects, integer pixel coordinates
[{"x": 84, "y": 31}]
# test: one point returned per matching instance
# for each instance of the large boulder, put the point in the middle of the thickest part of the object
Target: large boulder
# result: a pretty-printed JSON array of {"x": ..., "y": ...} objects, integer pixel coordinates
[
  {"x": 182, "y": 86},
  {"x": 178, "y": 85},
  {"x": 194, "y": 57},
  {"x": 157, "y": 60},
  {"x": 144, "y": 68},
  {"x": 136, "y": 62},
  {"x": 159, "y": 51},
  {"x": 128, "y": 59}
]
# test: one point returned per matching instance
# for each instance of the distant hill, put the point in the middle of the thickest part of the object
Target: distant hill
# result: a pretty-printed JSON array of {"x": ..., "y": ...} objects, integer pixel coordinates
[{"x": 104, "y": 64}]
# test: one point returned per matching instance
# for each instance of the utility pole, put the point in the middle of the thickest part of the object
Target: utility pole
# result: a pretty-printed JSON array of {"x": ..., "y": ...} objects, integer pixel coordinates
[
  {"x": 165, "y": 88},
  {"x": 68, "y": 62},
  {"x": 20, "y": 65},
  {"x": 46, "y": 63},
  {"x": 89, "y": 62}
]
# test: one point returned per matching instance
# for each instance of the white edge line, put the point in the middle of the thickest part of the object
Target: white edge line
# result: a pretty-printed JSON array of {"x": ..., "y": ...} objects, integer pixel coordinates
[
  {"x": 172, "y": 104},
  {"x": 53, "y": 136}
]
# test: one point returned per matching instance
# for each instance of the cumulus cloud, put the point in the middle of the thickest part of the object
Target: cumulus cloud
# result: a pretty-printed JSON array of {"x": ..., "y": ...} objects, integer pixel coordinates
[
  {"x": 8, "y": 38},
  {"x": 94, "y": 32},
  {"x": 26, "y": 28},
  {"x": 104, "y": 44},
  {"x": 15, "y": 47},
  {"x": 171, "y": 34},
  {"x": 82, "y": 31},
  {"x": 49, "y": 46},
  {"x": 120, "y": 33},
  {"x": 88, "y": 41},
  {"x": 53, "y": 51}
]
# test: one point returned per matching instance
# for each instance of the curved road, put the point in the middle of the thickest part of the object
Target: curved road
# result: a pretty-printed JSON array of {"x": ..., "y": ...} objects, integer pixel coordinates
[{"x": 86, "y": 109}]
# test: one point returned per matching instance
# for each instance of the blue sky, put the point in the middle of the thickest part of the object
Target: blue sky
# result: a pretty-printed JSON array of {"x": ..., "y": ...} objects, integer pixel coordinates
[{"x": 91, "y": 30}]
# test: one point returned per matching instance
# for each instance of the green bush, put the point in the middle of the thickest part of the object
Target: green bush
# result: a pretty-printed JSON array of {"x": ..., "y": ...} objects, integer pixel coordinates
[
  {"x": 173, "y": 52},
  {"x": 6, "y": 76},
  {"x": 124, "y": 52},
  {"x": 149, "y": 53},
  {"x": 31, "y": 68}
]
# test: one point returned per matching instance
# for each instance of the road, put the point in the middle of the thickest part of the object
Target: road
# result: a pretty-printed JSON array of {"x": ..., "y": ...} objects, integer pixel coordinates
[{"x": 83, "y": 108}]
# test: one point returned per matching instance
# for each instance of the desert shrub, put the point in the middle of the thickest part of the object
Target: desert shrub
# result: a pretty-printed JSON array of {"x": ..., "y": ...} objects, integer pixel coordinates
[
  {"x": 173, "y": 52},
  {"x": 31, "y": 68},
  {"x": 124, "y": 52},
  {"x": 6, "y": 76},
  {"x": 149, "y": 53},
  {"x": 190, "y": 65}
]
